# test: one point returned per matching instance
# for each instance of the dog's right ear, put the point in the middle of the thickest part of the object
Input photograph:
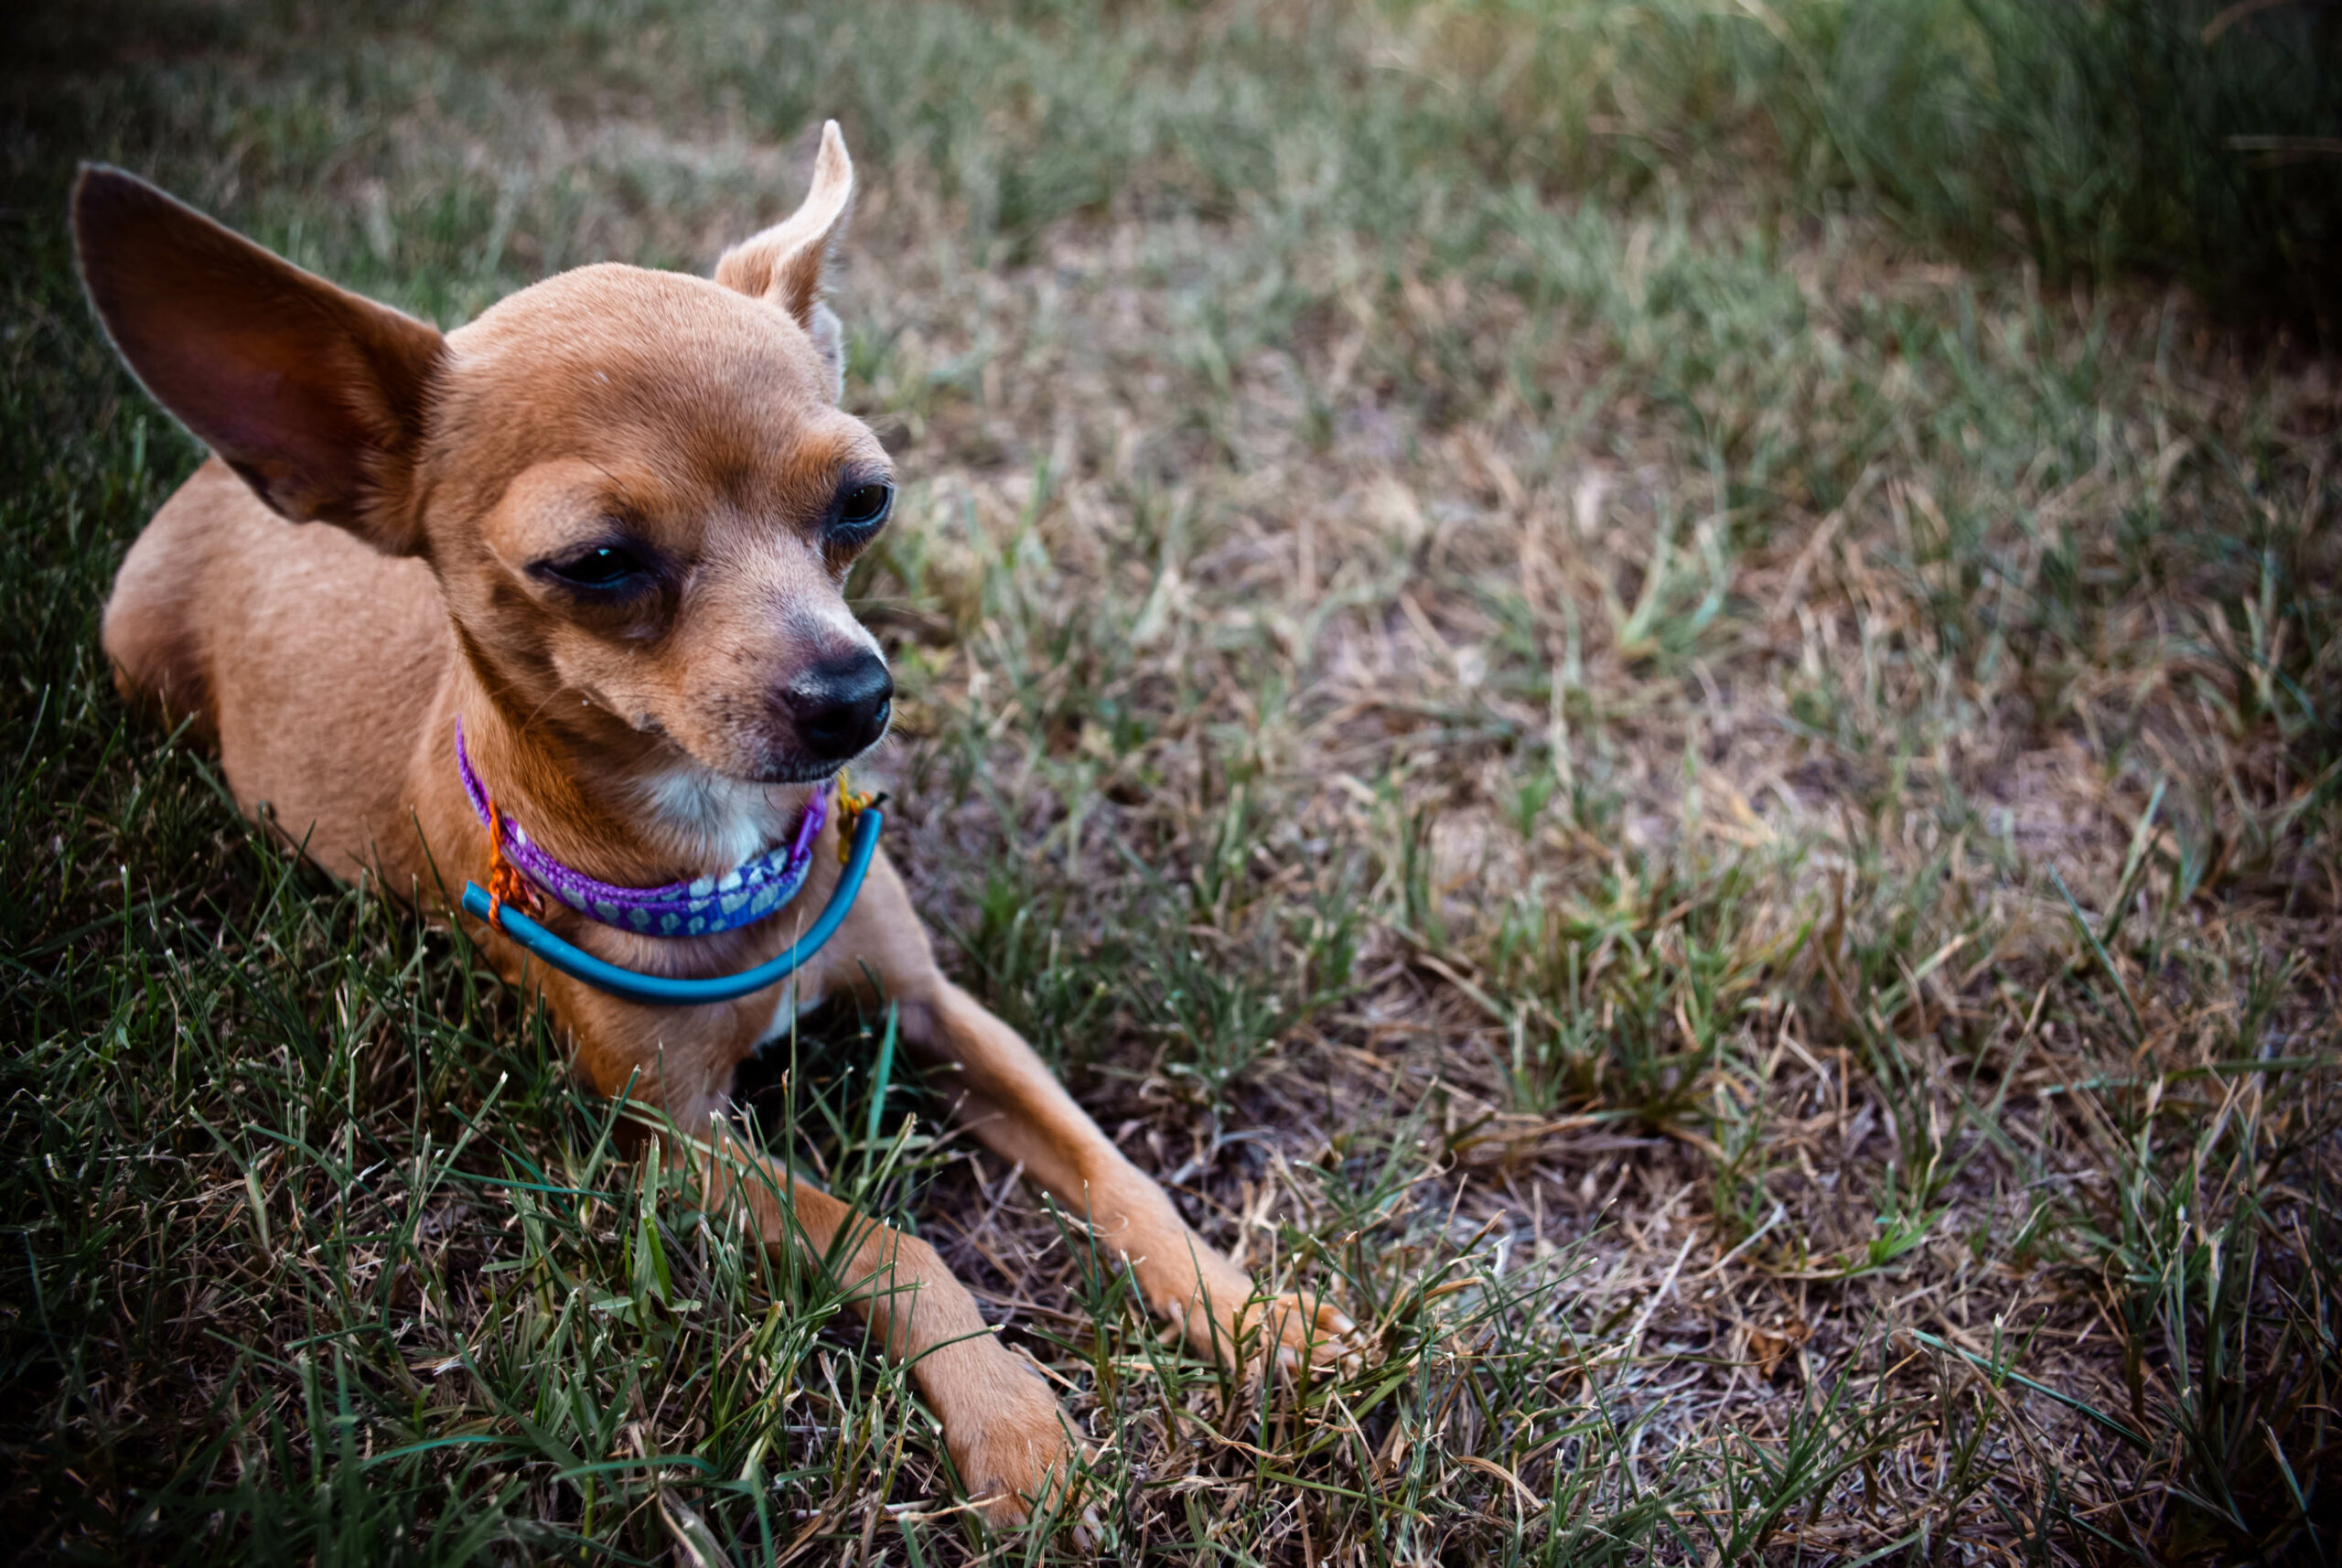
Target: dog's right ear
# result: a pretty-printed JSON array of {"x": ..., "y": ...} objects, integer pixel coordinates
[
  {"x": 316, "y": 397},
  {"x": 785, "y": 264}
]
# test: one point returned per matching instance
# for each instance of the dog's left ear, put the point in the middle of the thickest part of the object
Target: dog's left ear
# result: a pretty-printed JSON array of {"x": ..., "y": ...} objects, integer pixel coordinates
[
  {"x": 318, "y": 397},
  {"x": 784, "y": 263}
]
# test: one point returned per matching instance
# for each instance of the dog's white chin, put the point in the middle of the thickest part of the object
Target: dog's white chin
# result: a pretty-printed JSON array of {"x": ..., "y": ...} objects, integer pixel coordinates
[{"x": 728, "y": 818}]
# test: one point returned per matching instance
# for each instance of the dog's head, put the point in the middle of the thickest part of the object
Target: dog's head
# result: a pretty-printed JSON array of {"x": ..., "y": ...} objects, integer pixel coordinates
[{"x": 635, "y": 487}]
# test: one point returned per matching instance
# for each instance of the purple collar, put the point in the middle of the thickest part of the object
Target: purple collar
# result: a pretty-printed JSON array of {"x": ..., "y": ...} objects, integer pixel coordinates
[{"x": 741, "y": 897}]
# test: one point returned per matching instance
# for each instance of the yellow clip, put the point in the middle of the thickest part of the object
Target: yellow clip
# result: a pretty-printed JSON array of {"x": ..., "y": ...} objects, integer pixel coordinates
[{"x": 849, "y": 809}]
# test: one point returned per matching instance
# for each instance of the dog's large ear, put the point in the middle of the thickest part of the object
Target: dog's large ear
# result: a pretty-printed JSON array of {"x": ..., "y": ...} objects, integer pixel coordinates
[
  {"x": 784, "y": 263},
  {"x": 316, "y": 396}
]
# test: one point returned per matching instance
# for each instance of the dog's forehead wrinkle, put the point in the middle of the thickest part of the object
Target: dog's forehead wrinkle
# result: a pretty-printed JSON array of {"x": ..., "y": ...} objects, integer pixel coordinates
[{"x": 781, "y": 471}]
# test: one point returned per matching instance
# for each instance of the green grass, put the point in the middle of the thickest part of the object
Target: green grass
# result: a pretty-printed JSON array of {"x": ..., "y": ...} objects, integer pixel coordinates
[
  {"x": 2187, "y": 140},
  {"x": 1627, "y": 750}
]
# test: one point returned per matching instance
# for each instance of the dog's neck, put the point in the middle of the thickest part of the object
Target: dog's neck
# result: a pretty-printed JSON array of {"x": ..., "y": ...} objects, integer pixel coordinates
[{"x": 612, "y": 801}]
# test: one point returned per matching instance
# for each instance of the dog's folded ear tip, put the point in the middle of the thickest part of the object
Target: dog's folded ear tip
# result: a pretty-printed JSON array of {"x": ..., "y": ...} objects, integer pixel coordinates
[{"x": 832, "y": 161}]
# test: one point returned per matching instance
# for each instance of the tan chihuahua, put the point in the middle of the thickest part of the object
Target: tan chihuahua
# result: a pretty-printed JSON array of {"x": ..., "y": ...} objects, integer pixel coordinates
[{"x": 602, "y": 534}]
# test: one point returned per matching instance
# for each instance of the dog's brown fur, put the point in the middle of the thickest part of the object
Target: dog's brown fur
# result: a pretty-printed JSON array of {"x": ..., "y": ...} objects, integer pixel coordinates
[{"x": 698, "y": 420}]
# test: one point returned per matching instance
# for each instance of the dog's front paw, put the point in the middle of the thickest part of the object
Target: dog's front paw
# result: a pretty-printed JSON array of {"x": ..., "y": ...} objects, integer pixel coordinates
[
  {"x": 1017, "y": 1455},
  {"x": 1297, "y": 1330},
  {"x": 1285, "y": 1333}
]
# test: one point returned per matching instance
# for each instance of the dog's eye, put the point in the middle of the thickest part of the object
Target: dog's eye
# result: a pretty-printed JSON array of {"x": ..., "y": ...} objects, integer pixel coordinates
[
  {"x": 604, "y": 567},
  {"x": 864, "y": 507}
]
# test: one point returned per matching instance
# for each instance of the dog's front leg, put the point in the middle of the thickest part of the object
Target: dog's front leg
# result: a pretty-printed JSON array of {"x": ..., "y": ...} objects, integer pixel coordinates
[
  {"x": 1006, "y": 1435},
  {"x": 1009, "y": 1099}
]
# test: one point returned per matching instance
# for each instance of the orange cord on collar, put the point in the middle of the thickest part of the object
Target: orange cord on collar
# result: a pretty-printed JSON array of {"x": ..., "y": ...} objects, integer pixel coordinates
[{"x": 505, "y": 883}]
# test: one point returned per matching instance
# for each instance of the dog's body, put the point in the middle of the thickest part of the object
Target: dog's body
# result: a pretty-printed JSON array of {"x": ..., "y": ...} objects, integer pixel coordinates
[{"x": 604, "y": 527}]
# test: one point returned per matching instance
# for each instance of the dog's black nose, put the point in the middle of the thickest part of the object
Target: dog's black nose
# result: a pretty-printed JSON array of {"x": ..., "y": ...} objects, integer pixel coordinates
[{"x": 842, "y": 706}]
